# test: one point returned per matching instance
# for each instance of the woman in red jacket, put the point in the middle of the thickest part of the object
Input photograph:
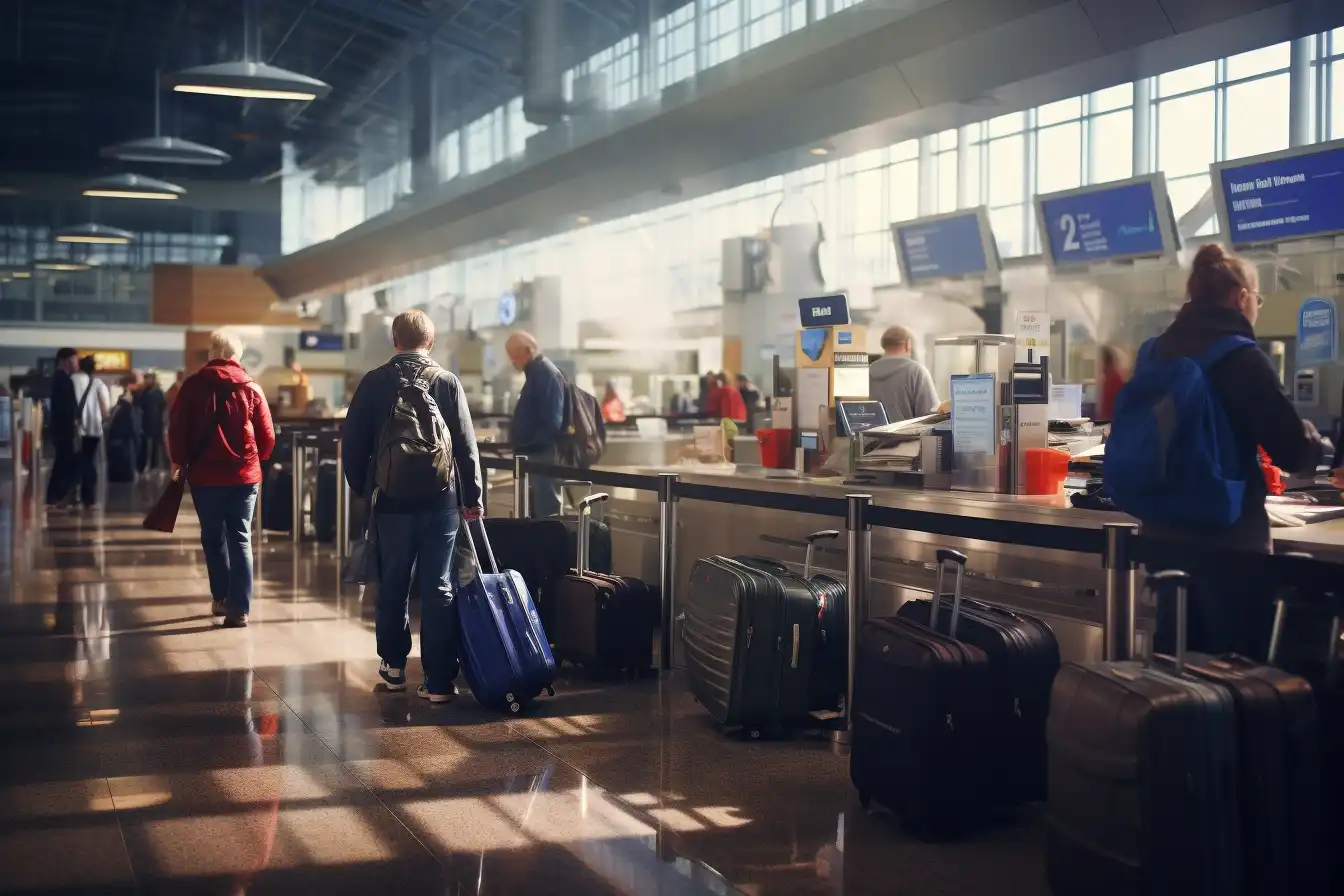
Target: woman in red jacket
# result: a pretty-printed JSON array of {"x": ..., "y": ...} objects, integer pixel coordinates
[
  {"x": 726, "y": 401},
  {"x": 219, "y": 434},
  {"x": 1112, "y": 374}
]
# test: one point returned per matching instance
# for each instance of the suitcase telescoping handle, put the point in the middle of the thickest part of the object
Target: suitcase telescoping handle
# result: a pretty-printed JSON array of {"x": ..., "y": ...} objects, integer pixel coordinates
[
  {"x": 1281, "y": 611},
  {"x": 823, "y": 535},
  {"x": 1174, "y": 584},
  {"x": 958, "y": 560},
  {"x": 484, "y": 543},
  {"x": 582, "y": 536}
]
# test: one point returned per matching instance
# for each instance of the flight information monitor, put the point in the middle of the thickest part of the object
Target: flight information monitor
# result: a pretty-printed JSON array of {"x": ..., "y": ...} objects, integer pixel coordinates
[
  {"x": 959, "y": 244},
  {"x": 859, "y": 416},
  {"x": 1281, "y": 196},
  {"x": 1116, "y": 221}
]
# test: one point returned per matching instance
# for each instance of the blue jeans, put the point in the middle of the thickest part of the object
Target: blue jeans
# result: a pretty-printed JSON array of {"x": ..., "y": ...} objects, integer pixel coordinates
[
  {"x": 225, "y": 512},
  {"x": 423, "y": 542},
  {"x": 543, "y": 492}
]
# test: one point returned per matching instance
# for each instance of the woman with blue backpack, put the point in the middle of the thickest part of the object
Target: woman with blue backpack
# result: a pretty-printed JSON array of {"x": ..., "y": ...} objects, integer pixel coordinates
[{"x": 1182, "y": 456}]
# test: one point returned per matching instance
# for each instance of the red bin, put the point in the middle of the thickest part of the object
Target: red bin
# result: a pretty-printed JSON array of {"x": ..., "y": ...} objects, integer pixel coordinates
[{"x": 776, "y": 448}]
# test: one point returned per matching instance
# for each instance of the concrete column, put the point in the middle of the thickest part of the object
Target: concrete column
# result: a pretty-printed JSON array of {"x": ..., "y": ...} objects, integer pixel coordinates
[
  {"x": 1143, "y": 126},
  {"x": 1300, "y": 130},
  {"x": 928, "y": 177},
  {"x": 699, "y": 36},
  {"x": 648, "y": 51},
  {"x": 423, "y": 103},
  {"x": 964, "y": 164}
]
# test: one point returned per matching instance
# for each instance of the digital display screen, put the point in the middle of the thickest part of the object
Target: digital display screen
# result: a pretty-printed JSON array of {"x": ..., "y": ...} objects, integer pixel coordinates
[
  {"x": 1276, "y": 199},
  {"x": 950, "y": 246},
  {"x": 320, "y": 341},
  {"x": 973, "y": 423},
  {"x": 1121, "y": 221},
  {"x": 859, "y": 416},
  {"x": 808, "y": 441}
]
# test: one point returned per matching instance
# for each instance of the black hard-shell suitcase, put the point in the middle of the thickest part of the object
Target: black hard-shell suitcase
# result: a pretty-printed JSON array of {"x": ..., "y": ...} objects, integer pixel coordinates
[
  {"x": 830, "y": 662},
  {"x": 1143, "y": 778},
  {"x": 542, "y": 551},
  {"x": 603, "y": 623},
  {"x": 120, "y": 461},
  {"x": 748, "y": 646},
  {"x": 920, "y": 703},
  {"x": 277, "y": 498},
  {"x": 1024, "y": 659},
  {"x": 324, "y": 501}
]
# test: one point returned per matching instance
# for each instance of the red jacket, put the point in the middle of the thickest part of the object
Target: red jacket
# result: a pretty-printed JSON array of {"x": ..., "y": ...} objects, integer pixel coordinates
[
  {"x": 234, "y": 449},
  {"x": 726, "y": 401}
]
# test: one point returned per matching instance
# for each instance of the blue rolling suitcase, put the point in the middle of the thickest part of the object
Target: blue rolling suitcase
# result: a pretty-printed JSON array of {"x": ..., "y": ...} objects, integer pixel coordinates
[{"x": 505, "y": 654}]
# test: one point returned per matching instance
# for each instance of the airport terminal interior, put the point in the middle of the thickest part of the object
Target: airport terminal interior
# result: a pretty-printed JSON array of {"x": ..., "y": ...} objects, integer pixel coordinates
[{"x": 778, "y": 324}]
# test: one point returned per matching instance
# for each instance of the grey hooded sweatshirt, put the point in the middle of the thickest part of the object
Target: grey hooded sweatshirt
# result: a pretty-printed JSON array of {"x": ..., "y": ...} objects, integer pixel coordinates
[{"x": 904, "y": 387}]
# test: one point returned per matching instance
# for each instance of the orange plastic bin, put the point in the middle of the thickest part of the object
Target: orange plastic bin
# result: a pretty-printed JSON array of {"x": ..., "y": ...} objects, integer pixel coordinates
[{"x": 1047, "y": 469}]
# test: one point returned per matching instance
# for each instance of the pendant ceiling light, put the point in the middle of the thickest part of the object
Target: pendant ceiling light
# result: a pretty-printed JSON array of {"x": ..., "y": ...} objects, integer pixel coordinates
[
  {"x": 161, "y": 150},
  {"x": 60, "y": 264},
  {"x": 249, "y": 80},
  {"x": 133, "y": 186},
  {"x": 94, "y": 234}
]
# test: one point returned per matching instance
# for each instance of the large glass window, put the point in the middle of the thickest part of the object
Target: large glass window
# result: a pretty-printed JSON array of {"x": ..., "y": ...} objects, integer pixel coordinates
[
  {"x": 1186, "y": 136},
  {"x": 1257, "y": 116},
  {"x": 1112, "y": 146},
  {"x": 1059, "y": 157}
]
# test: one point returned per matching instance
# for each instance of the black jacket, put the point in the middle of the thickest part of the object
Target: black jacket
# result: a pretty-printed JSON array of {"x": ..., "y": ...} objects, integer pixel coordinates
[
  {"x": 369, "y": 410},
  {"x": 539, "y": 415},
  {"x": 64, "y": 410},
  {"x": 1258, "y": 408},
  {"x": 153, "y": 405}
]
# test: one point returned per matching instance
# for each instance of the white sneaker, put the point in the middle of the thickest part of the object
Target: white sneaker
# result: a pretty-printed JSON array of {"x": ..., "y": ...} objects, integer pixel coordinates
[
  {"x": 423, "y": 693},
  {"x": 395, "y": 679},
  {"x": 218, "y": 608}
]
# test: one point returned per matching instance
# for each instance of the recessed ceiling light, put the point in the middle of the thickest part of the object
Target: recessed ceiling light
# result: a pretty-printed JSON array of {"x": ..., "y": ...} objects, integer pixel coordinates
[
  {"x": 819, "y": 150},
  {"x": 248, "y": 80},
  {"x": 95, "y": 234},
  {"x": 21, "y": 275},
  {"x": 133, "y": 186},
  {"x": 583, "y": 219},
  {"x": 502, "y": 241},
  {"x": 166, "y": 151}
]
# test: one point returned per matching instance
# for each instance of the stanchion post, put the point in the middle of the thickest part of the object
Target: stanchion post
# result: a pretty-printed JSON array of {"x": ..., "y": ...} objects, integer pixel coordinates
[
  {"x": 1120, "y": 622},
  {"x": 342, "y": 507},
  {"x": 298, "y": 464},
  {"x": 521, "y": 502},
  {"x": 667, "y": 564},
  {"x": 35, "y": 450},
  {"x": 859, "y": 574}
]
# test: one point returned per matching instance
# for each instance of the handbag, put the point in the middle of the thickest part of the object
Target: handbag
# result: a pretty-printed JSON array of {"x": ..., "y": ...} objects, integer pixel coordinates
[
  {"x": 162, "y": 517},
  {"x": 361, "y": 567}
]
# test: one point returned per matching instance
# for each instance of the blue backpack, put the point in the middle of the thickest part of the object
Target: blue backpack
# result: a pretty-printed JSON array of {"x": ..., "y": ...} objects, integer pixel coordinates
[{"x": 1172, "y": 457}]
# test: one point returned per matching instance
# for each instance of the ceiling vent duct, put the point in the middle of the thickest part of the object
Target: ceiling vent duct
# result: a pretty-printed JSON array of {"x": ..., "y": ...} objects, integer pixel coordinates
[{"x": 544, "y": 62}]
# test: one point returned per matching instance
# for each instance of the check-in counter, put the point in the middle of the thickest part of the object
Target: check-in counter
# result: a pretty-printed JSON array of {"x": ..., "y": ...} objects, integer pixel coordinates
[{"x": 1065, "y": 587}]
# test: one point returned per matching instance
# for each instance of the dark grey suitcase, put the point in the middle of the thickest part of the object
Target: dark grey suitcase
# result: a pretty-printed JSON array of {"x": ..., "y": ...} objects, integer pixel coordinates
[
  {"x": 748, "y": 645},
  {"x": 1143, "y": 777}
]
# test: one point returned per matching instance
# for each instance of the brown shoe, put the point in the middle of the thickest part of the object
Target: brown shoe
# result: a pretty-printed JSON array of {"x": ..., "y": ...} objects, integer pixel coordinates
[{"x": 235, "y": 620}]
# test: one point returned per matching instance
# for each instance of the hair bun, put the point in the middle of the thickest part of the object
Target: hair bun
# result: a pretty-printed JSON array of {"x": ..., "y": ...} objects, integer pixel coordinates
[{"x": 1210, "y": 255}]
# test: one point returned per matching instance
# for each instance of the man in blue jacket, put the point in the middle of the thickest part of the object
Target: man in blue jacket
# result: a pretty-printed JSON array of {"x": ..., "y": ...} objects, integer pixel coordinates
[
  {"x": 538, "y": 418},
  {"x": 412, "y": 534}
]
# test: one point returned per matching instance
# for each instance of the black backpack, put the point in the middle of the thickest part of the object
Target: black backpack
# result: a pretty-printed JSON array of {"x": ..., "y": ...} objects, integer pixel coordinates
[
  {"x": 584, "y": 436},
  {"x": 414, "y": 458}
]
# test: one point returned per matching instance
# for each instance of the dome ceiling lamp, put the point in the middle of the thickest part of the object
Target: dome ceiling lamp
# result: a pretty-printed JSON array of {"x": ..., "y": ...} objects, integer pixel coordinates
[
  {"x": 247, "y": 79},
  {"x": 95, "y": 235},
  {"x": 133, "y": 186},
  {"x": 161, "y": 150}
]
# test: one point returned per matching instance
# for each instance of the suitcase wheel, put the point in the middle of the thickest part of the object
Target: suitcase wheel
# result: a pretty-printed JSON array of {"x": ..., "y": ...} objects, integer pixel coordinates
[{"x": 550, "y": 692}]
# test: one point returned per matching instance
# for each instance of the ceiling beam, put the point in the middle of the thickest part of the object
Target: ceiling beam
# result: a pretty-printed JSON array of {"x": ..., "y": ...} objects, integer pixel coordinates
[{"x": 417, "y": 27}]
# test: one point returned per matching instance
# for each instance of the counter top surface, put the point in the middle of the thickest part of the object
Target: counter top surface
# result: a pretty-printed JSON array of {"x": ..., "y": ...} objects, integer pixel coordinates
[{"x": 1324, "y": 540}]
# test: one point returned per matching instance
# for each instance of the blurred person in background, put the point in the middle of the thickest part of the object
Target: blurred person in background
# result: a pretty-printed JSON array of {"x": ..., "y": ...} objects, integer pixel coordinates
[
  {"x": 123, "y": 435},
  {"x": 221, "y": 433},
  {"x": 903, "y": 385},
  {"x": 682, "y": 402},
  {"x": 538, "y": 417},
  {"x": 1112, "y": 374},
  {"x": 63, "y": 429},
  {"x": 725, "y": 402},
  {"x": 613, "y": 409},
  {"x": 153, "y": 405},
  {"x": 95, "y": 403}
]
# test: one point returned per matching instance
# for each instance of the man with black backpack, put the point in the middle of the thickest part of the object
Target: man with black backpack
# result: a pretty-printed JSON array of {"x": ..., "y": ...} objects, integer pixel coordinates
[{"x": 409, "y": 448}]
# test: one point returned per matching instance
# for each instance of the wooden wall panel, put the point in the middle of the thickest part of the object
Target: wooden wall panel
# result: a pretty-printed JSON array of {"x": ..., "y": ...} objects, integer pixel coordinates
[
  {"x": 197, "y": 349},
  {"x": 214, "y": 296}
]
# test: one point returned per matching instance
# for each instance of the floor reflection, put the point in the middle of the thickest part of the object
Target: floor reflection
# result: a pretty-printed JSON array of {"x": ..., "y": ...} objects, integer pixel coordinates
[{"x": 144, "y": 749}]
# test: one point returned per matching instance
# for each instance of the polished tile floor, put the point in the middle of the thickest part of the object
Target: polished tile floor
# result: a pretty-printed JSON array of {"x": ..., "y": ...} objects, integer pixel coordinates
[{"x": 144, "y": 749}]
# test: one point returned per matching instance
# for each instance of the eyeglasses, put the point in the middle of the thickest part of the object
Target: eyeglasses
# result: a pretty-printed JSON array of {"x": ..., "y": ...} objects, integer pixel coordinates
[{"x": 1259, "y": 300}]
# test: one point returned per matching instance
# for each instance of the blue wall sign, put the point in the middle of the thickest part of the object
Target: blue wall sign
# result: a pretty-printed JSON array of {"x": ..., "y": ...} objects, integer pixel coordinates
[
  {"x": 943, "y": 247},
  {"x": 508, "y": 309},
  {"x": 319, "y": 341},
  {"x": 824, "y": 311},
  {"x": 1107, "y": 223},
  {"x": 1317, "y": 333},
  {"x": 1285, "y": 198}
]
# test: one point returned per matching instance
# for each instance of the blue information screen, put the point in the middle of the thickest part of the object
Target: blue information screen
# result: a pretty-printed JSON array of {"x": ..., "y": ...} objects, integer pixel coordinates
[
  {"x": 946, "y": 247},
  {"x": 1285, "y": 198},
  {"x": 1099, "y": 225},
  {"x": 319, "y": 341},
  {"x": 824, "y": 311}
]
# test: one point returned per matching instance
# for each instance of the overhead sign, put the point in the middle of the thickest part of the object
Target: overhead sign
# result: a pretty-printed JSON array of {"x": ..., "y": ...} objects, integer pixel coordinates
[
  {"x": 1032, "y": 329},
  {"x": 508, "y": 309},
  {"x": 1317, "y": 332},
  {"x": 1109, "y": 222},
  {"x": 321, "y": 341},
  {"x": 824, "y": 311},
  {"x": 108, "y": 360},
  {"x": 945, "y": 246},
  {"x": 1282, "y": 196}
]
